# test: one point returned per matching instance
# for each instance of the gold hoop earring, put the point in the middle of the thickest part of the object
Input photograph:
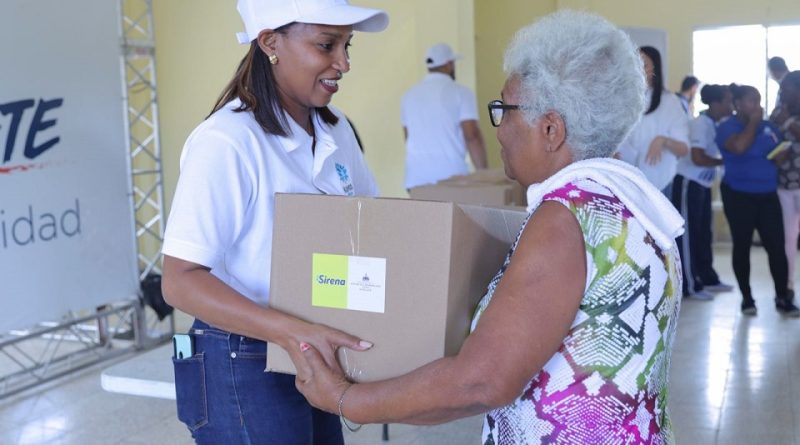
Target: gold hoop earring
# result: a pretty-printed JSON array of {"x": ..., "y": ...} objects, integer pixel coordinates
[{"x": 273, "y": 59}]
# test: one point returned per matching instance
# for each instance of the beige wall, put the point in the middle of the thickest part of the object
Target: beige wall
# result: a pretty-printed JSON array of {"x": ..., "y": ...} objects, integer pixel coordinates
[
  {"x": 197, "y": 53},
  {"x": 496, "y": 21}
]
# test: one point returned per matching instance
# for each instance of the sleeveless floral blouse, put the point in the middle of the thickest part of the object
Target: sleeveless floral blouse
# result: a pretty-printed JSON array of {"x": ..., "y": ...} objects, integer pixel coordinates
[{"x": 607, "y": 384}]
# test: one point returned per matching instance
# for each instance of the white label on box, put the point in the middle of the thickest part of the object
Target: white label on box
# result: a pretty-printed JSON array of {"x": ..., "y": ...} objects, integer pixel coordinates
[
  {"x": 349, "y": 282},
  {"x": 366, "y": 290}
]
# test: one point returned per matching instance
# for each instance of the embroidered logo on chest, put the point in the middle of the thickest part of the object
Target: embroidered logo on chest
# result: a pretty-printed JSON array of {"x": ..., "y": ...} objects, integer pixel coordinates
[
  {"x": 344, "y": 177},
  {"x": 342, "y": 170}
]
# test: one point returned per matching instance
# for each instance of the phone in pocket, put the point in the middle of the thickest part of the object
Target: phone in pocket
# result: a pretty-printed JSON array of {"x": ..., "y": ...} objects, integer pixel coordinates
[{"x": 183, "y": 346}]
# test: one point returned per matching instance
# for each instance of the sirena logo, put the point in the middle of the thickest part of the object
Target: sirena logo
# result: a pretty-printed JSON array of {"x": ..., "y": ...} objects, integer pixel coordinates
[
  {"x": 322, "y": 279},
  {"x": 14, "y": 113},
  {"x": 365, "y": 278}
]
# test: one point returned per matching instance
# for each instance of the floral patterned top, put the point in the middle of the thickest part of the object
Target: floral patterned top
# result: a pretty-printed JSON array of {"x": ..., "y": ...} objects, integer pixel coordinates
[
  {"x": 607, "y": 384},
  {"x": 789, "y": 169}
]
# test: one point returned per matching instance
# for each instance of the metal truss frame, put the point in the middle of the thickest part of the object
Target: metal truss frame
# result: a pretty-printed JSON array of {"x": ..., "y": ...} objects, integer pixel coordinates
[
  {"x": 48, "y": 350},
  {"x": 143, "y": 141}
]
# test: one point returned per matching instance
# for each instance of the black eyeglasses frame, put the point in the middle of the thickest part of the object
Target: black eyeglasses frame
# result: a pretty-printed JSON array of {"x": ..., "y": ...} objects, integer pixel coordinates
[{"x": 499, "y": 105}]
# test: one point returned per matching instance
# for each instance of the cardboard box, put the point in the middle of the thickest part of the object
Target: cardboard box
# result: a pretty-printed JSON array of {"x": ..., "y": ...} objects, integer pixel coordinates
[
  {"x": 485, "y": 175},
  {"x": 403, "y": 274},
  {"x": 483, "y": 187}
]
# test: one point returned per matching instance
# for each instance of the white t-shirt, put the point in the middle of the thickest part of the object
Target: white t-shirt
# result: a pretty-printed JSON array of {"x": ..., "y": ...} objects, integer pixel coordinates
[
  {"x": 702, "y": 131},
  {"x": 432, "y": 112},
  {"x": 668, "y": 120},
  {"x": 223, "y": 210}
]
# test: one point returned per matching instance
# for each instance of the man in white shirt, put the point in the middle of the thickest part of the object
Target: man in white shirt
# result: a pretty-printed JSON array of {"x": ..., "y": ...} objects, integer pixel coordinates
[
  {"x": 777, "y": 71},
  {"x": 440, "y": 123}
]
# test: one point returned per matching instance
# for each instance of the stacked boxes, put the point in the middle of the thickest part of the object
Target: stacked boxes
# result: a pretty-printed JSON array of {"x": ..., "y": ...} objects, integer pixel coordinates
[{"x": 484, "y": 187}]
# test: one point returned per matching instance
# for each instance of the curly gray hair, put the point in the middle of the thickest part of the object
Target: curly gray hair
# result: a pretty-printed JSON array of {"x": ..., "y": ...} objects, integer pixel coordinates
[{"x": 585, "y": 69}]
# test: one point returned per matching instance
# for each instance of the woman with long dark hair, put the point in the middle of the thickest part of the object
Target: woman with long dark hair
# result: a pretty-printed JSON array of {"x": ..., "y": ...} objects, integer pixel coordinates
[
  {"x": 272, "y": 130},
  {"x": 662, "y": 135},
  {"x": 749, "y": 195}
]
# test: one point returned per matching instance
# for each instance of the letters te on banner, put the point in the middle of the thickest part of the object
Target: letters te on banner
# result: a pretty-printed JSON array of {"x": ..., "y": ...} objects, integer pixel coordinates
[{"x": 67, "y": 238}]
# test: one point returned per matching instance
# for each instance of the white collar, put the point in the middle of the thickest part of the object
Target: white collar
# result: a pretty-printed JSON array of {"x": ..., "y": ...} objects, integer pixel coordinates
[
  {"x": 647, "y": 204},
  {"x": 438, "y": 75},
  {"x": 298, "y": 137}
]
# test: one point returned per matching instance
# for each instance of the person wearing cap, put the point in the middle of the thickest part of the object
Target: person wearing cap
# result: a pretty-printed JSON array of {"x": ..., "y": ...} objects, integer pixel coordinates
[
  {"x": 440, "y": 123},
  {"x": 571, "y": 343},
  {"x": 272, "y": 130}
]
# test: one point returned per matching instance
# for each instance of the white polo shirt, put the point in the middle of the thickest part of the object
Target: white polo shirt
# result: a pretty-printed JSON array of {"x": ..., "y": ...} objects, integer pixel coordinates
[
  {"x": 702, "y": 132},
  {"x": 223, "y": 210},
  {"x": 432, "y": 112},
  {"x": 668, "y": 120}
]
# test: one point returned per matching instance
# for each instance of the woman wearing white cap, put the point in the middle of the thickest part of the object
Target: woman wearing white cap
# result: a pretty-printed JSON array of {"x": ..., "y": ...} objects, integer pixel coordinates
[
  {"x": 272, "y": 130},
  {"x": 571, "y": 343}
]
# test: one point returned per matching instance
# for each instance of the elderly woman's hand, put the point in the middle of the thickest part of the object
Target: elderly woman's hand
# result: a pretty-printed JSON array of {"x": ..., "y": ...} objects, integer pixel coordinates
[
  {"x": 320, "y": 383},
  {"x": 653, "y": 156},
  {"x": 324, "y": 339}
]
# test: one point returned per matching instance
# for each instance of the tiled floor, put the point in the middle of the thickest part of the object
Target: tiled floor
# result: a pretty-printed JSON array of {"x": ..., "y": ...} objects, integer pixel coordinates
[{"x": 734, "y": 380}]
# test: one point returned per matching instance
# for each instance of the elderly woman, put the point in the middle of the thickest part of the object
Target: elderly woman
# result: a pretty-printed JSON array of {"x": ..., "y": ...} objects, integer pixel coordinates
[{"x": 571, "y": 343}]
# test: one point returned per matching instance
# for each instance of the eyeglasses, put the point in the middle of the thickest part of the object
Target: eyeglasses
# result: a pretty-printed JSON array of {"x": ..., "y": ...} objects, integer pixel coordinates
[{"x": 497, "y": 109}]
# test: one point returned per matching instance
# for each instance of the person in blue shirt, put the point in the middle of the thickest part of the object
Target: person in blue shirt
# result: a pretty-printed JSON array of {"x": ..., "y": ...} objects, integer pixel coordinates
[{"x": 749, "y": 194}]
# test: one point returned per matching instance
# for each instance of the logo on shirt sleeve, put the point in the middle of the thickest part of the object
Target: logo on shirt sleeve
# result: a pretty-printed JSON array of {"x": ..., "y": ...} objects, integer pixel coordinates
[{"x": 344, "y": 177}]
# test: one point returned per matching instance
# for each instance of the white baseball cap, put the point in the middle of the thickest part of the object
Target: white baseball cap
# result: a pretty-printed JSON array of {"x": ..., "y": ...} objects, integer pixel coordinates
[
  {"x": 259, "y": 15},
  {"x": 440, "y": 54}
]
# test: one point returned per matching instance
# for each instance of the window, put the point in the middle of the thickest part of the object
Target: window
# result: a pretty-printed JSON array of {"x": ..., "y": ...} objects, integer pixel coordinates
[
  {"x": 739, "y": 54},
  {"x": 782, "y": 41}
]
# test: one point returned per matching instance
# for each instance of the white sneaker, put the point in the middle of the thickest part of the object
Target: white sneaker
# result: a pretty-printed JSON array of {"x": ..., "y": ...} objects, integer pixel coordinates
[
  {"x": 701, "y": 295},
  {"x": 719, "y": 287}
]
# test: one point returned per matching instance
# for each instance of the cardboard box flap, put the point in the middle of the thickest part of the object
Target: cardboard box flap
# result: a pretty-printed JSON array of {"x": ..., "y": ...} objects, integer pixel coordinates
[
  {"x": 497, "y": 175},
  {"x": 486, "y": 187},
  {"x": 475, "y": 264},
  {"x": 465, "y": 193}
]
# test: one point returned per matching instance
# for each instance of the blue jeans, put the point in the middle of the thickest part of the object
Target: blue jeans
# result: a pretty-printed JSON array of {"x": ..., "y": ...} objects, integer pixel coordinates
[{"x": 225, "y": 397}]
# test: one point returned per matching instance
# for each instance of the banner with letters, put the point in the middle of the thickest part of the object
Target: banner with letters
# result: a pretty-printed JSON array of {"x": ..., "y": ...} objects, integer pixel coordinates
[{"x": 67, "y": 238}]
